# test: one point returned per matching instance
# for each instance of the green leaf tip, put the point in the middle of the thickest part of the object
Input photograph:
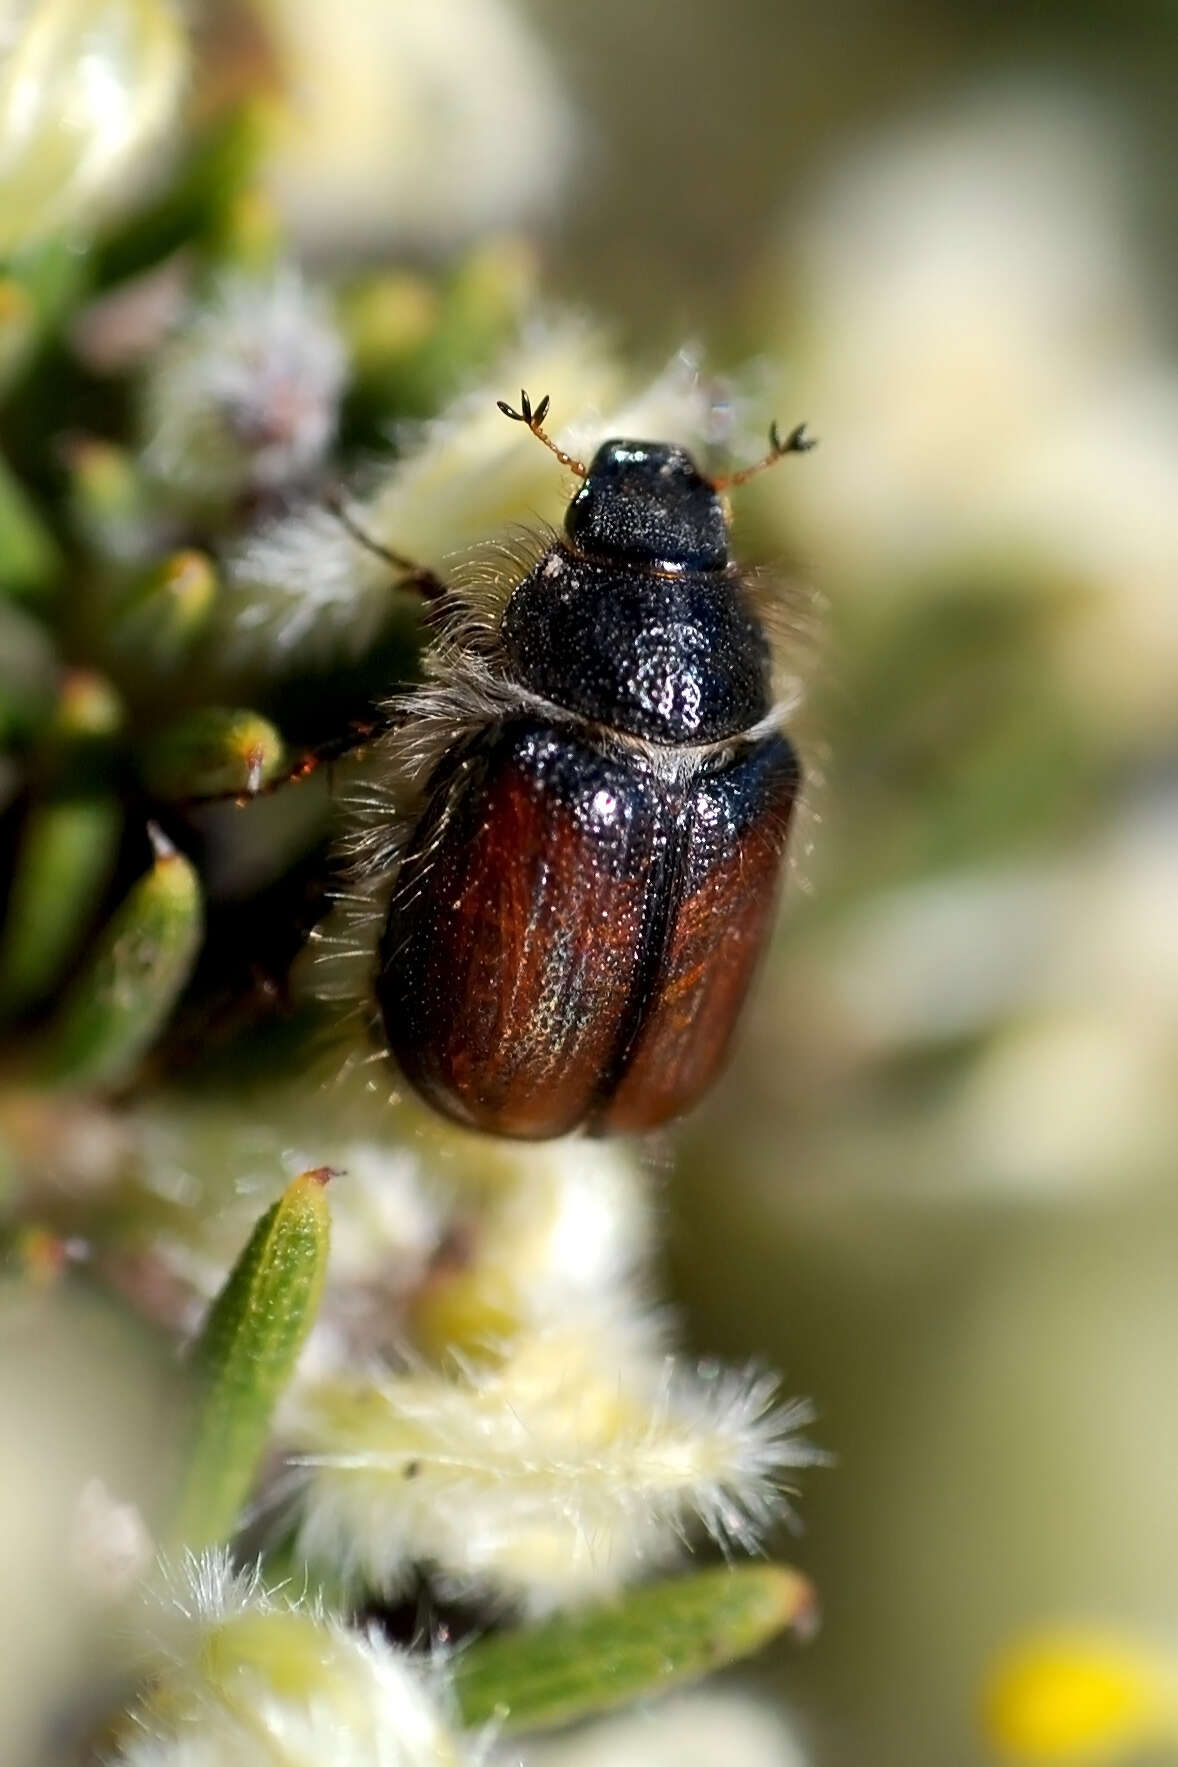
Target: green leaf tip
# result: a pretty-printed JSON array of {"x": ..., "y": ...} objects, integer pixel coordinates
[
  {"x": 164, "y": 611},
  {"x": 644, "y": 1643},
  {"x": 246, "y": 1354},
  {"x": 129, "y": 985},
  {"x": 64, "y": 862},
  {"x": 211, "y": 753}
]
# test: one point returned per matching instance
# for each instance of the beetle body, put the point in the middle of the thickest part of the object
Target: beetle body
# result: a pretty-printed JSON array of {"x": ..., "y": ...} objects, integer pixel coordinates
[{"x": 588, "y": 875}]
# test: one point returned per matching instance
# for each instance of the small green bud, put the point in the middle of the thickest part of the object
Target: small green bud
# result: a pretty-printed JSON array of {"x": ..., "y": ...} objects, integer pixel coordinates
[
  {"x": 385, "y": 318},
  {"x": 89, "y": 709},
  {"x": 64, "y": 863},
  {"x": 128, "y": 988},
  {"x": 211, "y": 753},
  {"x": 30, "y": 559},
  {"x": 68, "y": 842},
  {"x": 161, "y": 615},
  {"x": 110, "y": 507}
]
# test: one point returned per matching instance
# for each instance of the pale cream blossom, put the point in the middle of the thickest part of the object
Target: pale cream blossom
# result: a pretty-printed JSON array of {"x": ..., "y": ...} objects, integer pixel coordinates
[
  {"x": 704, "y": 1728},
  {"x": 245, "y": 393},
  {"x": 571, "y": 1462},
  {"x": 415, "y": 124},
  {"x": 245, "y": 1677},
  {"x": 87, "y": 89}
]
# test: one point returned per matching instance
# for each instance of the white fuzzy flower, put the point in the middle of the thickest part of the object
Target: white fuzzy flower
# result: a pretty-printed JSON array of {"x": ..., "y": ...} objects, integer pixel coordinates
[
  {"x": 245, "y": 1678},
  {"x": 428, "y": 124},
  {"x": 245, "y": 394},
  {"x": 568, "y": 1466},
  {"x": 699, "y": 1729},
  {"x": 202, "y": 1175},
  {"x": 87, "y": 88},
  {"x": 438, "y": 1235}
]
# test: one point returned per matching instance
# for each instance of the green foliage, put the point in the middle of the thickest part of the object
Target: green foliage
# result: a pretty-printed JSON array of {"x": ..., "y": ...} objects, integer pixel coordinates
[
  {"x": 213, "y": 752},
  {"x": 246, "y": 1353},
  {"x": 579, "y": 1665},
  {"x": 117, "y": 1005}
]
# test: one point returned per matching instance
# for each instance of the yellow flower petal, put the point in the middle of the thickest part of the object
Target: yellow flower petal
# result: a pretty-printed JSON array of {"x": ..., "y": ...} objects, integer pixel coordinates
[{"x": 1081, "y": 1697}]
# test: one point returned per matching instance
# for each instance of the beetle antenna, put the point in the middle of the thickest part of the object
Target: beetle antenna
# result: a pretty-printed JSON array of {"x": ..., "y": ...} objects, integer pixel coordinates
[
  {"x": 535, "y": 421},
  {"x": 797, "y": 442},
  {"x": 413, "y": 575}
]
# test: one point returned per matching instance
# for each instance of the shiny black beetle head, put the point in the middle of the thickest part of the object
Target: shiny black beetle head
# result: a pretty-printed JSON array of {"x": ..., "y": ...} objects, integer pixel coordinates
[
  {"x": 636, "y": 621},
  {"x": 648, "y": 502}
]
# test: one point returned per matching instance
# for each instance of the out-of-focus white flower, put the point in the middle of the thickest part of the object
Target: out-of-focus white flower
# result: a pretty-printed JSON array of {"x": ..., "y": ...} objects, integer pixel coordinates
[
  {"x": 968, "y": 293},
  {"x": 112, "y": 1547},
  {"x": 87, "y": 87},
  {"x": 977, "y": 349},
  {"x": 567, "y": 1466},
  {"x": 438, "y": 1235},
  {"x": 1098, "y": 495},
  {"x": 83, "y": 1404},
  {"x": 245, "y": 394},
  {"x": 428, "y": 124},
  {"x": 247, "y": 1678},
  {"x": 303, "y": 586},
  {"x": 701, "y": 1729},
  {"x": 1067, "y": 970},
  {"x": 565, "y": 1225}
]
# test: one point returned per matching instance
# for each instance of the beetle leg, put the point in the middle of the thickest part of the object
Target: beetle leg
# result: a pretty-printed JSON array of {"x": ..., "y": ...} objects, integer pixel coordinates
[
  {"x": 355, "y": 739},
  {"x": 411, "y": 575}
]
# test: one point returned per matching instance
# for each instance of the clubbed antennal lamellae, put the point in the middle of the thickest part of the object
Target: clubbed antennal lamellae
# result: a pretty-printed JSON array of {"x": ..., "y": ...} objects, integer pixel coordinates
[
  {"x": 535, "y": 420},
  {"x": 796, "y": 442}
]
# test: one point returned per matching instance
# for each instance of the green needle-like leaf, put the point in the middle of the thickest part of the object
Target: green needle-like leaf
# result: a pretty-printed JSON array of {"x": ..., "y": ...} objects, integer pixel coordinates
[
  {"x": 28, "y": 675},
  {"x": 214, "y": 752},
  {"x": 30, "y": 558},
  {"x": 68, "y": 842},
  {"x": 246, "y": 1354},
  {"x": 646, "y": 1642},
  {"x": 66, "y": 857},
  {"x": 127, "y": 990}
]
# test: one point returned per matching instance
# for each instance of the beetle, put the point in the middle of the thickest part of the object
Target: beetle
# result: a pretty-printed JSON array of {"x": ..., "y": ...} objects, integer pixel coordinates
[{"x": 559, "y": 902}]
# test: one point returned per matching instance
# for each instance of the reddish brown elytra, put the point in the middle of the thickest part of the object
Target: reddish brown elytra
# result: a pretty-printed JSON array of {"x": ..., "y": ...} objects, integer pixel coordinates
[{"x": 589, "y": 879}]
